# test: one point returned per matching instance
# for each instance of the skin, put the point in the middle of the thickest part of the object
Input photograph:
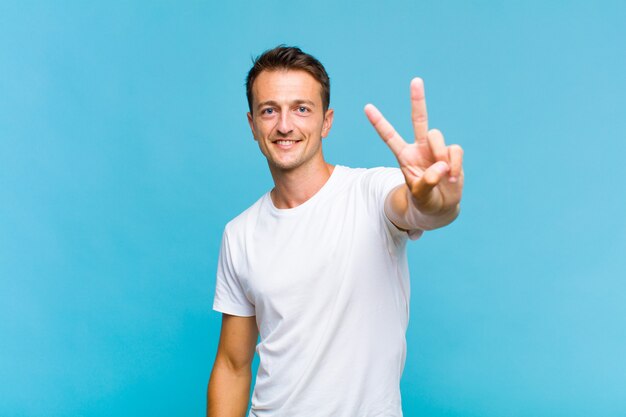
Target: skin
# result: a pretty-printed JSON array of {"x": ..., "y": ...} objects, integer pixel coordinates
[
  {"x": 288, "y": 122},
  {"x": 433, "y": 172},
  {"x": 287, "y": 106},
  {"x": 229, "y": 384}
]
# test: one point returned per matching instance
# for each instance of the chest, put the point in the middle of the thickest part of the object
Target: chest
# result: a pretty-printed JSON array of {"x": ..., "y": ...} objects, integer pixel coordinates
[{"x": 292, "y": 259}]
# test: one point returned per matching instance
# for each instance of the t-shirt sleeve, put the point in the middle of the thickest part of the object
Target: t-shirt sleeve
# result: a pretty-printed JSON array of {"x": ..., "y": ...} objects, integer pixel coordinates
[
  {"x": 382, "y": 181},
  {"x": 230, "y": 297}
]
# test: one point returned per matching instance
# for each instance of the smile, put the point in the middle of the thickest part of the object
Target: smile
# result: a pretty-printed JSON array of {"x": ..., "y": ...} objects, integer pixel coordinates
[{"x": 286, "y": 144}]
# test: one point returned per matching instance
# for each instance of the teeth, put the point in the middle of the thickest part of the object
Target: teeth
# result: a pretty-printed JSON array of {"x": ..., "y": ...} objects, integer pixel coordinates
[{"x": 285, "y": 142}]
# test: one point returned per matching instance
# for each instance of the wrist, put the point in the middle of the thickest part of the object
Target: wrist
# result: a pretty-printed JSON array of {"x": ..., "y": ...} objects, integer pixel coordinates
[{"x": 428, "y": 220}]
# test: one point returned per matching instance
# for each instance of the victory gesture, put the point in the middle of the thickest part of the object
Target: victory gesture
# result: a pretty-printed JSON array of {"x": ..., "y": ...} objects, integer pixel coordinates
[{"x": 432, "y": 170}]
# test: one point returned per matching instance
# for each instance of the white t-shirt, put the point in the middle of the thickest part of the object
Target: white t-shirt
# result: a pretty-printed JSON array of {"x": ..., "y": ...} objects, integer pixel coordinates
[{"x": 328, "y": 282}]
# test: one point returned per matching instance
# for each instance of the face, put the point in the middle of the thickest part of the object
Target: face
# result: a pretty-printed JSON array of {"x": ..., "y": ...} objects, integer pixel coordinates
[{"x": 288, "y": 120}]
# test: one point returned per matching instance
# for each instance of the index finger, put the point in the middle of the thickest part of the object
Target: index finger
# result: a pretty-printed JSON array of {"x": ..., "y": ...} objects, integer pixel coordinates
[
  {"x": 419, "y": 116},
  {"x": 384, "y": 129}
]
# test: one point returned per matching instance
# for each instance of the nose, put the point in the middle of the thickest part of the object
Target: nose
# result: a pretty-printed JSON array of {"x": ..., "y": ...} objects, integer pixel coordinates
[{"x": 285, "y": 125}]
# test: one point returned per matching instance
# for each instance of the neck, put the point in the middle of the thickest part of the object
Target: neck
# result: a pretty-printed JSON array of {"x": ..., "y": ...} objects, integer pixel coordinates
[{"x": 292, "y": 188}]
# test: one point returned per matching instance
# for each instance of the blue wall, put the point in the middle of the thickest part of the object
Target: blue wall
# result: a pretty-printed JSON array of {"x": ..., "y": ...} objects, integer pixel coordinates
[{"x": 124, "y": 150}]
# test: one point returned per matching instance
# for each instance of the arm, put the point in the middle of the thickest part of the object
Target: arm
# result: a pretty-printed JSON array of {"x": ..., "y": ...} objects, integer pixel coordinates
[
  {"x": 401, "y": 209},
  {"x": 229, "y": 384},
  {"x": 433, "y": 171}
]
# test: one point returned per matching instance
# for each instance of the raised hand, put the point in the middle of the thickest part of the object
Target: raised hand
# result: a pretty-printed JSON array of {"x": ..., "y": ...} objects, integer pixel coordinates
[{"x": 432, "y": 170}]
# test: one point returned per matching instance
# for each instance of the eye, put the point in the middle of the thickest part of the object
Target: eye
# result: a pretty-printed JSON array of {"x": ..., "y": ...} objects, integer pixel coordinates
[
  {"x": 269, "y": 110},
  {"x": 303, "y": 109}
]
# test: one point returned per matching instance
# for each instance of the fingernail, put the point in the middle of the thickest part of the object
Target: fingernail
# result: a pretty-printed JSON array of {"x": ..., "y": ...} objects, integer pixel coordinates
[{"x": 452, "y": 179}]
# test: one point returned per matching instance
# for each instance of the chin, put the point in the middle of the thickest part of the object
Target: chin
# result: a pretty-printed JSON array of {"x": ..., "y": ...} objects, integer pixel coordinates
[{"x": 284, "y": 166}]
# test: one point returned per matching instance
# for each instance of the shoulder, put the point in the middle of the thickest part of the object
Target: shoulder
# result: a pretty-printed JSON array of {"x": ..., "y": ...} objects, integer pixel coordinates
[
  {"x": 241, "y": 222},
  {"x": 378, "y": 177},
  {"x": 350, "y": 172},
  {"x": 382, "y": 172}
]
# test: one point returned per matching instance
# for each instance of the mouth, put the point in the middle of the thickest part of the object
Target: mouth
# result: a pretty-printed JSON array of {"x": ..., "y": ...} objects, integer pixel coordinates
[{"x": 285, "y": 143}]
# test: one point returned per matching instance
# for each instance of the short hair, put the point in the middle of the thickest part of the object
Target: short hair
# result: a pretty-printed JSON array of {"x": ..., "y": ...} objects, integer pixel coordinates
[{"x": 288, "y": 58}]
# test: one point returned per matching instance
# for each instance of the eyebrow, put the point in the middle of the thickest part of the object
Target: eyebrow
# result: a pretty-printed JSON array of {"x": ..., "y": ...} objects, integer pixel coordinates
[{"x": 274, "y": 103}]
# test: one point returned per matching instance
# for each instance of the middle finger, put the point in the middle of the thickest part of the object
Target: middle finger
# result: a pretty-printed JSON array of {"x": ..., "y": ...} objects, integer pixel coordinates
[{"x": 419, "y": 115}]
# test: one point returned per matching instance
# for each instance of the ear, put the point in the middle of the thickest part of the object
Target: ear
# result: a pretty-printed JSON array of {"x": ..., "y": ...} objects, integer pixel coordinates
[
  {"x": 251, "y": 123},
  {"x": 328, "y": 122}
]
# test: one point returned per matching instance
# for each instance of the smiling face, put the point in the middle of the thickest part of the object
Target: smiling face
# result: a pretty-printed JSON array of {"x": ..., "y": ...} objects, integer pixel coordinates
[{"x": 288, "y": 120}]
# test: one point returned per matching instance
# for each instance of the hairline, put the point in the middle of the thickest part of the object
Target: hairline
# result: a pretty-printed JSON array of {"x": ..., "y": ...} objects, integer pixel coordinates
[
  {"x": 288, "y": 58},
  {"x": 299, "y": 100}
]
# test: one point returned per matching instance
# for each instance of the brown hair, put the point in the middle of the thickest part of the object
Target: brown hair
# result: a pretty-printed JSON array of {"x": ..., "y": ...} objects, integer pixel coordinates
[{"x": 288, "y": 58}]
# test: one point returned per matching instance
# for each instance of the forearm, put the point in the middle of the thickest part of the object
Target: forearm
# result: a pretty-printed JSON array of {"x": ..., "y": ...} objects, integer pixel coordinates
[
  {"x": 228, "y": 392},
  {"x": 401, "y": 209}
]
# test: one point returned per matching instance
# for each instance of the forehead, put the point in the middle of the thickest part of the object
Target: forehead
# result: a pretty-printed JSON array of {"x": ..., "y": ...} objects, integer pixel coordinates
[{"x": 286, "y": 85}]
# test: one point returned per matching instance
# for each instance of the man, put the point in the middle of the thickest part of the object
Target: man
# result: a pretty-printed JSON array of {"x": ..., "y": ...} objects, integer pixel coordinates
[{"x": 318, "y": 265}]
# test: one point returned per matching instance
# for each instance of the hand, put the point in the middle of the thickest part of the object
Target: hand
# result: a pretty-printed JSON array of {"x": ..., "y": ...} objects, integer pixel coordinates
[{"x": 432, "y": 170}]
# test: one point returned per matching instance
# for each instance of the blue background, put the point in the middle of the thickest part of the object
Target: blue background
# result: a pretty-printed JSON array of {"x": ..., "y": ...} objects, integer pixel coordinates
[{"x": 124, "y": 150}]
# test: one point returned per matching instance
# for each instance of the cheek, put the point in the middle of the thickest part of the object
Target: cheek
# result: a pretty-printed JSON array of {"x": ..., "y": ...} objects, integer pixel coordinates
[
  {"x": 308, "y": 125},
  {"x": 264, "y": 128}
]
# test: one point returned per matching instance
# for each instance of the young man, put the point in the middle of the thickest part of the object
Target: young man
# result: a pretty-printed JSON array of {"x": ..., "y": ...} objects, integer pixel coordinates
[{"x": 318, "y": 265}]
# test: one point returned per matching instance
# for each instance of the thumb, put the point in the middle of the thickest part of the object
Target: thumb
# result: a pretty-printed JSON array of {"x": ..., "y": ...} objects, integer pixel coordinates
[{"x": 429, "y": 180}]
